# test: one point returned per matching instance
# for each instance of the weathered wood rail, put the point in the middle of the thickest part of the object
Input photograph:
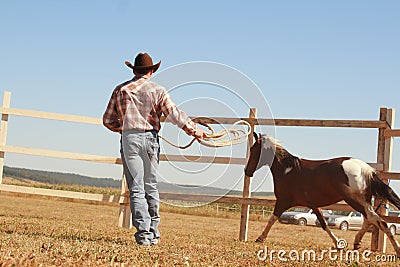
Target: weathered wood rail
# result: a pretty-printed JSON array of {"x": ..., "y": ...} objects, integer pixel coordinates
[{"x": 383, "y": 164}]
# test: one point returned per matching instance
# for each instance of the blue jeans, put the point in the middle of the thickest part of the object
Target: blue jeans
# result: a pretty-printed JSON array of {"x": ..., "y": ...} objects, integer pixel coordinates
[{"x": 140, "y": 158}]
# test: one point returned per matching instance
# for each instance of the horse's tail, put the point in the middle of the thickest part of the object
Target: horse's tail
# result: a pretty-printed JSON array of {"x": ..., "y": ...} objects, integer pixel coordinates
[{"x": 383, "y": 191}]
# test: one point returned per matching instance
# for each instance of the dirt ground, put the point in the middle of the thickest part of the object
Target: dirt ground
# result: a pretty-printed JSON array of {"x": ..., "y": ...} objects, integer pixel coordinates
[{"x": 42, "y": 232}]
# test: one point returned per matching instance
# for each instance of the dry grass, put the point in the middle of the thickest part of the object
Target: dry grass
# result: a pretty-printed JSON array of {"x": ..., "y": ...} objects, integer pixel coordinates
[{"x": 36, "y": 232}]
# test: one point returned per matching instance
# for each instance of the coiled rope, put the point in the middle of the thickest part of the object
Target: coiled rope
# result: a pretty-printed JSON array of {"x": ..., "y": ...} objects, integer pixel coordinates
[{"x": 224, "y": 137}]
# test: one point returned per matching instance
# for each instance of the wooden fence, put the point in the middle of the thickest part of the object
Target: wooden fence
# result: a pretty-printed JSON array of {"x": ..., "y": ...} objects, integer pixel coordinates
[{"x": 383, "y": 164}]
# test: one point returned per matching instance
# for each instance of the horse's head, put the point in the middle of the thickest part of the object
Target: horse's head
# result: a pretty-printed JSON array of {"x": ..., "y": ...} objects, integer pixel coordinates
[{"x": 261, "y": 153}]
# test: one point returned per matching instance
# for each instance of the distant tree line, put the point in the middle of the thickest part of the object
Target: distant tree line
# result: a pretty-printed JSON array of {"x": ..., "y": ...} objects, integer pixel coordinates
[
  {"x": 59, "y": 178},
  {"x": 76, "y": 179}
]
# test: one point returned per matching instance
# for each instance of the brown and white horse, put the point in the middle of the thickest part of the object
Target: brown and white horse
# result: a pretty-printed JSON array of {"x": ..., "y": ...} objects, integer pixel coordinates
[{"x": 319, "y": 183}]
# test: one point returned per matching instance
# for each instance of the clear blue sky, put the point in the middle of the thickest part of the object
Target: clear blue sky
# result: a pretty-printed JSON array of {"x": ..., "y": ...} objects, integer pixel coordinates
[{"x": 311, "y": 59}]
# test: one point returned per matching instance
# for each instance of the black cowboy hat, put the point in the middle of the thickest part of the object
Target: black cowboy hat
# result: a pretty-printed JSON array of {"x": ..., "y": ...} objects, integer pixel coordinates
[{"x": 143, "y": 63}]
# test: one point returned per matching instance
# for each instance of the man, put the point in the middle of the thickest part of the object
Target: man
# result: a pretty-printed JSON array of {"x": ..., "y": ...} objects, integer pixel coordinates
[{"x": 134, "y": 111}]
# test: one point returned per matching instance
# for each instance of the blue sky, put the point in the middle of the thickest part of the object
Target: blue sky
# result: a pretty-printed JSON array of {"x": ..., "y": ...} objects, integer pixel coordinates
[{"x": 310, "y": 59}]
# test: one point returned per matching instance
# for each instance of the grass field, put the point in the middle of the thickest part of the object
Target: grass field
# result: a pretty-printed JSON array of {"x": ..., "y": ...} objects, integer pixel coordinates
[{"x": 40, "y": 232}]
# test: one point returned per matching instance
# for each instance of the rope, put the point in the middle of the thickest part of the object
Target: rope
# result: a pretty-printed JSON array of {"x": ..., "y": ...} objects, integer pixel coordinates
[{"x": 219, "y": 139}]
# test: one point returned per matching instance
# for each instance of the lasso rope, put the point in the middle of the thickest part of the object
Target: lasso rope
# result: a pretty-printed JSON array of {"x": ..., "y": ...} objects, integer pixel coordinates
[{"x": 231, "y": 135}]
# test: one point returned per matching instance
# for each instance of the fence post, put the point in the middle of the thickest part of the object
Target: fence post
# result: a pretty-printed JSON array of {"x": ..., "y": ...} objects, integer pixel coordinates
[
  {"x": 244, "y": 217},
  {"x": 124, "y": 208},
  {"x": 384, "y": 157},
  {"x": 3, "y": 131}
]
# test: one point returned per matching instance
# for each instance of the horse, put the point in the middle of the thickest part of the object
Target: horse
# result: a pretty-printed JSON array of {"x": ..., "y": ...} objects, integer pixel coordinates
[{"x": 318, "y": 183}]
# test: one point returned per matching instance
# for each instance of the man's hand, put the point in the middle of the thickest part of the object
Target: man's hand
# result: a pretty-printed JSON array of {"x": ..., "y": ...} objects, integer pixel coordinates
[{"x": 200, "y": 134}]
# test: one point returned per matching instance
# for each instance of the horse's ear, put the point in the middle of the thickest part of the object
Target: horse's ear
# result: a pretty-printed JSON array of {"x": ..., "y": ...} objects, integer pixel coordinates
[{"x": 256, "y": 137}]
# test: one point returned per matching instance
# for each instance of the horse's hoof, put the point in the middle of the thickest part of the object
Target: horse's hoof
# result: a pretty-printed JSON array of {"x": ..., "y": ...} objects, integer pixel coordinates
[
  {"x": 341, "y": 244},
  {"x": 259, "y": 240},
  {"x": 357, "y": 246}
]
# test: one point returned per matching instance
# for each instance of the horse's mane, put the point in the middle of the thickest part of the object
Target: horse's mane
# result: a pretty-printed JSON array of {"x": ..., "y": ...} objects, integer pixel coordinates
[{"x": 283, "y": 156}]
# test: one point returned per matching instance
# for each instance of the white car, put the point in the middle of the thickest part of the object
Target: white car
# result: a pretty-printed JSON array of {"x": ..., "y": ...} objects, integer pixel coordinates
[
  {"x": 354, "y": 220},
  {"x": 301, "y": 216},
  {"x": 344, "y": 220}
]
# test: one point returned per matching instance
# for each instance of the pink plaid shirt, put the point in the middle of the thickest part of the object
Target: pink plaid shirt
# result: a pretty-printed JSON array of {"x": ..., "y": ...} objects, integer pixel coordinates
[{"x": 138, "y": 105}]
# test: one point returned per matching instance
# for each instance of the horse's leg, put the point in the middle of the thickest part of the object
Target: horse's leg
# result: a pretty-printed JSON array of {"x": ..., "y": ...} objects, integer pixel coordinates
[
  {"x": 271, "y": 222},
  {"x": 370, "y": 215},
  {"x": 338, "y": 242},
  {"x": 360, "y": 234},
  {"x": 278, "y": 210},
  {"x": 360, "y": 204},
  {"x": 374, "y": 219}
]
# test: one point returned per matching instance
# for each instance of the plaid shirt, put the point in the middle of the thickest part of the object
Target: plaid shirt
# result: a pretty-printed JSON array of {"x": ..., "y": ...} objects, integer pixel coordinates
[{"x": 138, "y": 105}]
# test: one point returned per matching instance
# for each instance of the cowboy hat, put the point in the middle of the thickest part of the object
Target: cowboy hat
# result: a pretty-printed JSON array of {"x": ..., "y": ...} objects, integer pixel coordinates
[{"x": 143, "y": 63}]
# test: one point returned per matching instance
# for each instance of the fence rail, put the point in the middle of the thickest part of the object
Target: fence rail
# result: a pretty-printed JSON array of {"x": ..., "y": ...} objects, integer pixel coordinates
[
  {"x": 214, "y": 120},
  {"x": 383, "y": 164}
]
